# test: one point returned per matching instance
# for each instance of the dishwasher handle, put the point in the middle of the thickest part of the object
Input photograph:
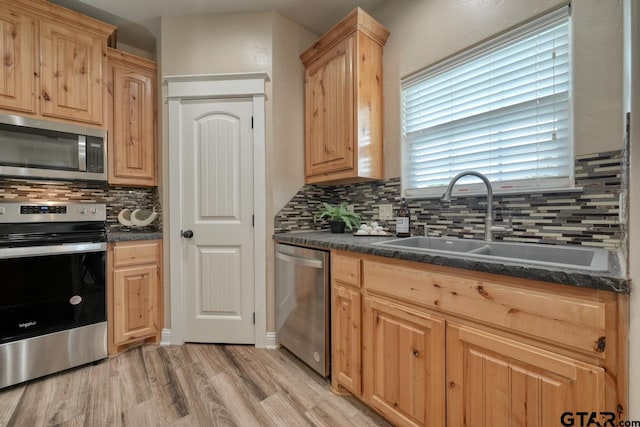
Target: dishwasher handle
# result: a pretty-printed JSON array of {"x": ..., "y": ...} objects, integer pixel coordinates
[{"x": 306, "y": 262}]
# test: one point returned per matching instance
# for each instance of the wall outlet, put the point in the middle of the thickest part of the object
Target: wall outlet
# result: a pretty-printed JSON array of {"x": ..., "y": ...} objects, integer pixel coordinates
[
  {"x": 385, "y": 212},
  {"x": 351, "y": 208}
]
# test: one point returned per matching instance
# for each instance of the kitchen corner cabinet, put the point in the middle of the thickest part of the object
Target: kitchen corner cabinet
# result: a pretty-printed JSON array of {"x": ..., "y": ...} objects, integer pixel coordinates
[
  {"x": 440, "y": 345},
  {"x": 131, "y": 112},
  {"x": 135, "y": 293},
  {"x": 343, "y": 102},
  {"x": 53, "y": 62}
]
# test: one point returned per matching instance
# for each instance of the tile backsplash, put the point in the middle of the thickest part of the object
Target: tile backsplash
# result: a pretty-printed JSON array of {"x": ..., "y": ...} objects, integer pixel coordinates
[
  {"x": 116, "y": 198},
  {"x": 589, "y": 216}
]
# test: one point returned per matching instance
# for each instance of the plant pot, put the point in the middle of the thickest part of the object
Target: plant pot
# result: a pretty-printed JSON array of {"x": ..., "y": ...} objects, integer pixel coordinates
[{"x": 337, "y": 226}]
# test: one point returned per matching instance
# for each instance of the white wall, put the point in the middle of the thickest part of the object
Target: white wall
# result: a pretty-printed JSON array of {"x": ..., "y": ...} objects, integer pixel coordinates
[
  {"x": 216, "y": 43},
  {"x": 289, "y": 41},
  {"x": 247, "y": 42},
  {"x": 633, "y": 22},
  {"x": 285, "y": 158},
  {"x": 425, "y": 32},
  {"x": 136, "y": 51},
  {"x": 209, "y": 44}
]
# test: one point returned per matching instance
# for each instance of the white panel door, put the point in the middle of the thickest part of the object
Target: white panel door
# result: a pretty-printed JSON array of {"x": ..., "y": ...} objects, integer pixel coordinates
[{"x": 217, "y": 194}]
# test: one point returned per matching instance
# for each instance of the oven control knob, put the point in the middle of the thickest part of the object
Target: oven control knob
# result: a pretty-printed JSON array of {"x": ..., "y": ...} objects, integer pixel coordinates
[
  {"x": 3, "y": 211},
  {"x": 82, "y": 211},
  {"x": 94, "y": 210}
]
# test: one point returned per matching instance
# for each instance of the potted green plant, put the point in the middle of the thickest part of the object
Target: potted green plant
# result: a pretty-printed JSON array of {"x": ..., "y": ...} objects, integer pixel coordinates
[{"x": 339, "y": 217}]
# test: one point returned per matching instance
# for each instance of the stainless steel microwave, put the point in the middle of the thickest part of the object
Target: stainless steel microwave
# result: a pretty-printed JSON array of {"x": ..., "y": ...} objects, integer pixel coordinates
[{"x": 34, "y": 148}]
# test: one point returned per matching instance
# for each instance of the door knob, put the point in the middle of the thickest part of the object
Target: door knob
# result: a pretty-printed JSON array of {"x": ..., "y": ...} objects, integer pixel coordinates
[{"x": 187, "y": 234}]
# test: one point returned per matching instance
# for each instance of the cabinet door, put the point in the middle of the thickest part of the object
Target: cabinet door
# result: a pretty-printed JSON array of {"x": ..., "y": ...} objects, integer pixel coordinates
[
  {"x": 17, "y": 50},
  {"x": 494, "y": 381},
  {"x": 135, "y": 301},
  {"x": 329, "y": 115},
  {"x": 346, "y": 339},
  {"x": 71, "y": 73},
  {"x": 132, "y": 136},
  {"x": 403, "y": 360}
]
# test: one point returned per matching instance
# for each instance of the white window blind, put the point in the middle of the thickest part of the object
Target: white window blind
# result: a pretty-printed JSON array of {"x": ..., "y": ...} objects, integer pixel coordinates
[{"x": 502, "y": 109}]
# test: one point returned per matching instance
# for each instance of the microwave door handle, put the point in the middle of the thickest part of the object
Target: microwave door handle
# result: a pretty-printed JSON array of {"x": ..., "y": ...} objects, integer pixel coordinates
[{"x": 82, "y": 153}]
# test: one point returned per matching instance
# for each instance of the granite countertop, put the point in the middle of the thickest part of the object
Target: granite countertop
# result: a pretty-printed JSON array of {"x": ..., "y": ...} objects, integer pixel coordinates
[
  {"x": 123, "y": 236},
  {"x": 612, "y": 280}
]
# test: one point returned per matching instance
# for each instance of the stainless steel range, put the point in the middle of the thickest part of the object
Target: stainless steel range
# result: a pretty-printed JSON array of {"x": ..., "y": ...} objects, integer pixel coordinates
[{"x": 53, "y": 288}]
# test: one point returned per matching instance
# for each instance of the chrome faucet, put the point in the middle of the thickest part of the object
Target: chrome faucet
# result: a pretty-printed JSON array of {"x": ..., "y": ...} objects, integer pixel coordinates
[{"x": 489, "y": 228}]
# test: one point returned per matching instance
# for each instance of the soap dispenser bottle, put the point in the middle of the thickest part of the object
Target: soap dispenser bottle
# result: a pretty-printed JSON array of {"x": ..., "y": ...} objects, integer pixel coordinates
[{"x": 403, "y": 220}]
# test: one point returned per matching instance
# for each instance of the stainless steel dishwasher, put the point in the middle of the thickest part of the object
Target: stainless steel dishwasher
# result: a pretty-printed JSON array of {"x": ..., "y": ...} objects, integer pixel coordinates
[{"x": 302, "y": 309}]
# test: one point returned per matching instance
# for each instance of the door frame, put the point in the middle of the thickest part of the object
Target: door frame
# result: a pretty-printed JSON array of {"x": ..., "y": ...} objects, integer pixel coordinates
[{"x": 214, "y": 87}]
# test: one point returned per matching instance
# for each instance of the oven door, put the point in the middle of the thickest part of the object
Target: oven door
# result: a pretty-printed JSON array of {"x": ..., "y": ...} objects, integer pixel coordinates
[{"x": 51, "y": 288}]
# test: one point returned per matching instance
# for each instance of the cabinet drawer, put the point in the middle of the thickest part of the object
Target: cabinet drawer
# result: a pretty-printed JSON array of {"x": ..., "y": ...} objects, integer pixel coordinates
[
  {"x": 531, "y": 308},
  {"x": 136, "y": 253},
  {"x": 346, "y": 269}
]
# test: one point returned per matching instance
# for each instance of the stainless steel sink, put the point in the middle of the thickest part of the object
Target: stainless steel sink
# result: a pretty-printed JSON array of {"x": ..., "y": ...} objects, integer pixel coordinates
[{"x": 593, "y": 259}]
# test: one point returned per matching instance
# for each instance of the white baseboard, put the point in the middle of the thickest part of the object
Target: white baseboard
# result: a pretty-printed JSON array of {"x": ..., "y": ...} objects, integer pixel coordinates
[
  {"x": 272, "y": 341},
  {"x": 166, "y": 337}
]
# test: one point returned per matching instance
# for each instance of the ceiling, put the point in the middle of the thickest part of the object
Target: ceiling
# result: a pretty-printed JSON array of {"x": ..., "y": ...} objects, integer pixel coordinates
[{"x": 139, "y": 24}]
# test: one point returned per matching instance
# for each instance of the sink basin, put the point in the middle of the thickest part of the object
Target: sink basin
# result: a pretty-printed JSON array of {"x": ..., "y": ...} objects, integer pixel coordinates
[
  {"x": 435, "y": 244},
  {"x": 593, "y": 259}
]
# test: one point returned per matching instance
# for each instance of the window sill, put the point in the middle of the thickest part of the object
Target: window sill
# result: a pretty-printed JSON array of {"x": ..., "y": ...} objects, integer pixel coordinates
[{"x": 465, "y": 192}]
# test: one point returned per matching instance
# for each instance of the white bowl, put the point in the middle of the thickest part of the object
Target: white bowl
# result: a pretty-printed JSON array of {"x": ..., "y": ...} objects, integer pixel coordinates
[
  {"x": 143, "y": 217},
  {"x": 124, "y": 217}
]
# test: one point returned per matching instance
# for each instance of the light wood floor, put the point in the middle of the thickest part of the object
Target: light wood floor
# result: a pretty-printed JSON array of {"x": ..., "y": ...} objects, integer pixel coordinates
[{"x": 190, "y": 385}]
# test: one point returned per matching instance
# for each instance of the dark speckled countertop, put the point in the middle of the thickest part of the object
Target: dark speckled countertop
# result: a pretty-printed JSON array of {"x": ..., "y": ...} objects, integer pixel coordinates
[
  {"x": 124, "y": 236},
  {"x": 612, "y": 280}
]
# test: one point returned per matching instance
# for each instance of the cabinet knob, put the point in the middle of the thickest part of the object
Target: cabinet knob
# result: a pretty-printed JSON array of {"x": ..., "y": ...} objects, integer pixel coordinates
[
  {"x": 187, "y": 234},
  {"x": 416, "y": 353}
]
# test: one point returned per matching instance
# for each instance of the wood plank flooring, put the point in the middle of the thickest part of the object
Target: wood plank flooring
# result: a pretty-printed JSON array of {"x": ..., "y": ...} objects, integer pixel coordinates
[{"x": 189, "y": 385}]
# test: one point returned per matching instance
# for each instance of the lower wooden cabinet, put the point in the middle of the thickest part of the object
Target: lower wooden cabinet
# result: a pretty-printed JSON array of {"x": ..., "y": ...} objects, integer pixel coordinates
[
  {"x": 404, "y": 363},
  {"x": 494, "y": 381},
  {"x": 135, "y": 293},
  {"x": 440, "y": 346},
  {"x": 346, "y": 363}
]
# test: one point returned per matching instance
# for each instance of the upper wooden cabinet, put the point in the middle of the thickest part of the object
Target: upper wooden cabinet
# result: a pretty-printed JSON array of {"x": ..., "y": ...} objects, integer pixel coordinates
[
  {"x": 343, "y": 102},
  {"x": 17, "y": 74},
  {"x": 71, "y": 72},
  {"x": 131, "y": 119},
  {"x": 53, "y": 62}
]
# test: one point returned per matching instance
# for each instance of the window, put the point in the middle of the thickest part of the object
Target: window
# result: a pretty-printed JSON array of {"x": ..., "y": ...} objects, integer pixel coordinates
[{"x": 502, "y": 109}]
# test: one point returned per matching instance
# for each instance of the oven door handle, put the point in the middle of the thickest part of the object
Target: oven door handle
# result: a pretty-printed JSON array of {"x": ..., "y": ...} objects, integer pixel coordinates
[{"x": 70, "y": 248}]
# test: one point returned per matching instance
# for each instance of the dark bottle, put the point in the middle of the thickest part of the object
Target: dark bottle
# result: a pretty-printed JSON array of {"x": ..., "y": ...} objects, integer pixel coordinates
[{"x": 403, "y": 220}]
